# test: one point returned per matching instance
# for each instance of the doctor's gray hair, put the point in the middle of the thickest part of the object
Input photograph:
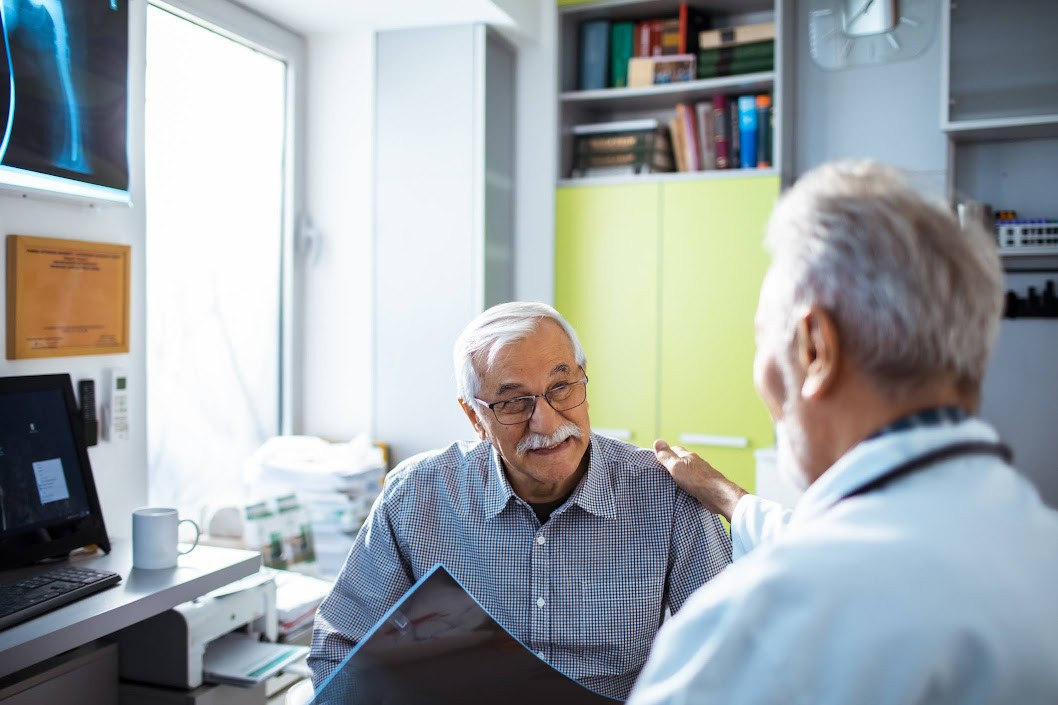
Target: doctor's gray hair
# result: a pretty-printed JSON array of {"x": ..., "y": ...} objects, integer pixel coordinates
[
  {"x": 491, "y": 330},
  {"x": 913, "y": 294}
]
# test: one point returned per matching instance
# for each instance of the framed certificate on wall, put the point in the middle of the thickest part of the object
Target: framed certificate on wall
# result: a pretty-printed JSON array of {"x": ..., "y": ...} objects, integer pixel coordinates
[{"x": 66, "y": 297}]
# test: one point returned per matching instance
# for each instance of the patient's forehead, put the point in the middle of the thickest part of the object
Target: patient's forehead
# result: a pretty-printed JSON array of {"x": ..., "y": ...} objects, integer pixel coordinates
[{"x": 546, "y": 350}]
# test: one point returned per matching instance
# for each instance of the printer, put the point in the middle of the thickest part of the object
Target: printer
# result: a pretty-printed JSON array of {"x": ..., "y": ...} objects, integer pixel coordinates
[{"x": 168, "y": 650}]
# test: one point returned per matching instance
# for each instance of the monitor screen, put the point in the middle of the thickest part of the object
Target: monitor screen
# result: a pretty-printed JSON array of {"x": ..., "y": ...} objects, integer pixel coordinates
[
  {"x": 48, "y": 504},
  {"x": 64, "y": 97}
]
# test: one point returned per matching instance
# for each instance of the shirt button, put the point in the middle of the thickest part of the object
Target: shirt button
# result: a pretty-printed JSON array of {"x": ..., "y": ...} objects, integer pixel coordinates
[
  {"x": 540, "y": 654},
  {"x": 541, "y": 540},
  {"x": 540, "y": 602}
]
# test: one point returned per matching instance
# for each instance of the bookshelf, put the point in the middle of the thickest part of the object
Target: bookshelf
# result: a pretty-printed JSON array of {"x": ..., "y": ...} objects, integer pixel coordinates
[
  {"x": 579, "y": 107},
  {"x": 1000, "y": 112}
]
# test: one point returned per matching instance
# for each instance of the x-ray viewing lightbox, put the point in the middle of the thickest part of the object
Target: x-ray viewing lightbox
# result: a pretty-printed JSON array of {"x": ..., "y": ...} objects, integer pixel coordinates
[{"x": 64, "y": 97}]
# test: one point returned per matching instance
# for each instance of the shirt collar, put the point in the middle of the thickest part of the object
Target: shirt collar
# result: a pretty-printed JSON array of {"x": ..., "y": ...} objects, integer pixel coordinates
[
  {"x": 594, "y": 494},
  {"x": 877, "y": 455}
]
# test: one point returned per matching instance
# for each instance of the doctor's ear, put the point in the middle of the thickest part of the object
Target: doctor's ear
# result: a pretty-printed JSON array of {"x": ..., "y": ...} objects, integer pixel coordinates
[{"x": 475, "y": 421}]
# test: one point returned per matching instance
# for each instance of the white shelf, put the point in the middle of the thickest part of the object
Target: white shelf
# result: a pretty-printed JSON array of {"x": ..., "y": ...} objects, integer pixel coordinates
[
  {"x": 711, "y": 175},
  {"x": 1009, "y": 128},
  {"x": 1032, "y": 251},
  {"x": 637, "y": 9},
  {"x": 666, "y": 95}
]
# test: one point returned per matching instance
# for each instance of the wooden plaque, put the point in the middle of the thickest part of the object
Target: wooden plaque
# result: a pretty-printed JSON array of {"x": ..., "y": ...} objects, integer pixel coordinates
[{"x": 66, "y": 297}]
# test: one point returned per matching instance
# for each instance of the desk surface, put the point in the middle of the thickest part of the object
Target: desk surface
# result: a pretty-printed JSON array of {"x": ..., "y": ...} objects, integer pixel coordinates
[{"x": 140, "y": 594}]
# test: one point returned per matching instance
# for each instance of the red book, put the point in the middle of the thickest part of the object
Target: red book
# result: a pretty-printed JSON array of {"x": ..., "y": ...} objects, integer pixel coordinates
[
  {"x": 656, "y": 28},
  {"x": 642, "y": 44}
]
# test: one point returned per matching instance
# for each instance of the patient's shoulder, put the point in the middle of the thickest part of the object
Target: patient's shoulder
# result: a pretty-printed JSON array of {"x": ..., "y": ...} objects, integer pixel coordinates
[{"x": 450, "y": 460}]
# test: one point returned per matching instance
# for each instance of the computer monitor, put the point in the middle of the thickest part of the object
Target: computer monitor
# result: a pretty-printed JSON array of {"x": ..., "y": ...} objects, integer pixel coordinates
[{"x": 48, "y": 502}]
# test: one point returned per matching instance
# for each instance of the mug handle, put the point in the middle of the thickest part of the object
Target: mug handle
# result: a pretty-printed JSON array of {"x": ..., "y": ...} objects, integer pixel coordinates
[{"x": 198, "y": 532}]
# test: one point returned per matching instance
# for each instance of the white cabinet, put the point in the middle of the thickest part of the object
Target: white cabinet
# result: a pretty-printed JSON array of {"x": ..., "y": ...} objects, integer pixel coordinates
[{"x": 444, "y": 166}]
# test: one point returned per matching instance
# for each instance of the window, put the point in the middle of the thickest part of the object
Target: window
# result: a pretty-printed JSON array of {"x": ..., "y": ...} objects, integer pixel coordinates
[{"x": 217, "y": 207}]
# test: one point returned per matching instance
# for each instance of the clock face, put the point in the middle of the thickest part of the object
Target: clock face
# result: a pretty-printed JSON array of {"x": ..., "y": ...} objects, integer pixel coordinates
[{"x": 844, "y": 33}]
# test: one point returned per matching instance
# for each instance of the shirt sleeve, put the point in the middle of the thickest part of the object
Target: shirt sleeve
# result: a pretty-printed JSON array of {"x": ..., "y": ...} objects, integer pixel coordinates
[
  {"x": 756, "y": 521},
  {"x": 699, "y": 549},
  {"x": 374, "y": 577},
  {"x": 738, "y": 641}
]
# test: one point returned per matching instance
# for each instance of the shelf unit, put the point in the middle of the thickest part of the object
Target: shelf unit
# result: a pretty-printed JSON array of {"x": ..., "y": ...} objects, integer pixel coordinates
[
  {"x": 584, "y": 107},
  {"x": 1000, "y": 111}
]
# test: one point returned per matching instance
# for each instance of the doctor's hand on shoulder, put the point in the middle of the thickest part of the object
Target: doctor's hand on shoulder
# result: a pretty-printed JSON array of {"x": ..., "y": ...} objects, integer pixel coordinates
[{"x": 699, "y": 479}]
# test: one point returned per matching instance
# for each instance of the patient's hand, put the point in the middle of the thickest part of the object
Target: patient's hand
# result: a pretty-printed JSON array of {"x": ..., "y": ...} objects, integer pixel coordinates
[{"x": 699, "y": 479}]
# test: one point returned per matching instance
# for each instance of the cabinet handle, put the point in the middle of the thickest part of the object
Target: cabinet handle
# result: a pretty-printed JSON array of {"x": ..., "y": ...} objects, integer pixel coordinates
[
  {"x": 707, "y": 439},
  {"x": 621, "y": 434}
]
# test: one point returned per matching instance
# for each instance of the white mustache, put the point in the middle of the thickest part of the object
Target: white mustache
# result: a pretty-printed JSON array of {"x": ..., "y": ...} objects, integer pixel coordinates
[{"x": 535, "y": 441}]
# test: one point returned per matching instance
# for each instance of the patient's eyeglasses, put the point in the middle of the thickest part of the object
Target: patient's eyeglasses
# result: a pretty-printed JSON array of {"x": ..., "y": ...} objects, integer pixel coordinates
[{"x": 562, "y": 397}]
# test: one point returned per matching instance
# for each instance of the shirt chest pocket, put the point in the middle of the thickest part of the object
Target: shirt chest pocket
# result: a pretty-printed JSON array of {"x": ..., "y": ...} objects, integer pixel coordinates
[{"x": 619, "y": 618}]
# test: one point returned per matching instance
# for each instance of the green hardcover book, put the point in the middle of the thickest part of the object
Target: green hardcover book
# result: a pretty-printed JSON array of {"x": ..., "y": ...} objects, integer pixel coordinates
[
  {"x": 736, "y": 67},
  {"x": 622, "y": 45},
  {"x": 739, "y": 51}
]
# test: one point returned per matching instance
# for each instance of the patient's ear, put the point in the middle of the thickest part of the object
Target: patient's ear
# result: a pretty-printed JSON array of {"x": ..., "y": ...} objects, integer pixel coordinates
[{"x": 468, "y": 409}]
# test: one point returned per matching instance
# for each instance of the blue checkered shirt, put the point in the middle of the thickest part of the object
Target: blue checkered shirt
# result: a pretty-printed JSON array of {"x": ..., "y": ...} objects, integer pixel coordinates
[{"x": 586, "y": 591}]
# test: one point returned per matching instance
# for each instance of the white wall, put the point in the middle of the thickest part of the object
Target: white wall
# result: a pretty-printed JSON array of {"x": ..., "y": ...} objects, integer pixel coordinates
[
  {"x": 335, "y": 270},
  {"x": 120, "y": 469},
  {"x": 536, "y": 155}
]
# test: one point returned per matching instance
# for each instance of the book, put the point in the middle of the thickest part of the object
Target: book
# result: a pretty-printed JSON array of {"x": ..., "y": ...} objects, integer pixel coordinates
[
  {"x": 622, "y": 40},
  {"x": 741, "y": 34},
  {"x": 706, "y": 133},
  {"x": 670, "y": 37},
  {"x": 638, "y": 146},
  {"x": 764, "y": 131},
  {"x": 438, "y": 645},
  {"x": 734, "y": 144},
  {"x": 745, "y": 58},
  {"x": 594, "y": 54},
  {"x": 642, "y": 38},
  {"x": 648, "y": 38},
  {"x": 691, "y": 23},
  {"x": 691, "y": 153},
  {"x": 734, "y": 69},
  {"x": 747, "y": 128},
  {"x": 676, "y": 129},
  {"x": 720, "y": 128}
]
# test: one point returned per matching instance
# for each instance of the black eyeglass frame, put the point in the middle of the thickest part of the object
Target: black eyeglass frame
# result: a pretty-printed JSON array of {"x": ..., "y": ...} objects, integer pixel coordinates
[{"x": 492, "y": 407}]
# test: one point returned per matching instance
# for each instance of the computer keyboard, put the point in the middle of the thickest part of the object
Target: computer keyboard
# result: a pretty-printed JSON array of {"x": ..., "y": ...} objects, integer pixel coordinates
[{"x": 43, "y": 592}]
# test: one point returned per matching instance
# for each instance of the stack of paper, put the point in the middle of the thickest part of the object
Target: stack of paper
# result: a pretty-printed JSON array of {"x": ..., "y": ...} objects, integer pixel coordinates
[{"x": 240, "y": 659}]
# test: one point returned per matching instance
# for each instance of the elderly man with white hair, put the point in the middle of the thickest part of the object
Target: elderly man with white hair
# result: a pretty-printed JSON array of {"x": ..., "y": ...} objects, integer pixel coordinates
[
  {"x": 918, "y": 566},
  {"x": 576, "y": 543}
]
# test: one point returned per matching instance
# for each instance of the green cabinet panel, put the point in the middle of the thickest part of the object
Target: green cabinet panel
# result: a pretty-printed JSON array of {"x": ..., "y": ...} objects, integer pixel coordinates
[
  {"x": 712, "y": 264},
  {"x": 606, "y": 285}
]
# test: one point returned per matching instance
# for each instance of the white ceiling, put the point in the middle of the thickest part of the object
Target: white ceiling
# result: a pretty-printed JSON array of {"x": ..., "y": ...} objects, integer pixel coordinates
[{"x": 338, "y": 16}]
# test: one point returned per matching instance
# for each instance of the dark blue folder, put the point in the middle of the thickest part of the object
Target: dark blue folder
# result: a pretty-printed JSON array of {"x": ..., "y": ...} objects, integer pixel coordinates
[{"x": 438, "y": 645}]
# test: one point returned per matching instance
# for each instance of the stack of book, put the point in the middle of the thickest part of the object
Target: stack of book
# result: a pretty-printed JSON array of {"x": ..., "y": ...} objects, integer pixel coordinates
[
  {"x": 626, "y": 147},
  {"x": 742, "y": 49},
  {"x": 606, "y": 47},
  {"x": 723, "y": 132}
]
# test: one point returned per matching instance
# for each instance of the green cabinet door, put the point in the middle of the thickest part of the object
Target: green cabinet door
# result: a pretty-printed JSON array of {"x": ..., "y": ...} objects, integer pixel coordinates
[
  {"x": 606, "y": 285},
  {"x": 712, "y": 264}
]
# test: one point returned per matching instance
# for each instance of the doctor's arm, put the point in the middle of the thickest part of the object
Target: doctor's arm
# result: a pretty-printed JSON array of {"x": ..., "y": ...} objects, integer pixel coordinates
[{"x": 753, "y": 520}]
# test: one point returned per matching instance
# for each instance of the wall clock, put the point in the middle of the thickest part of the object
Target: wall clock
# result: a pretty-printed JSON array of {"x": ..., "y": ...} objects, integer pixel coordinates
[{"x": 845, "y": 33}]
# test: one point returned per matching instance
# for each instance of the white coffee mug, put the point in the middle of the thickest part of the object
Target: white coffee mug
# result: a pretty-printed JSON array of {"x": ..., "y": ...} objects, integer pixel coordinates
[{"x": 154, "y": 537}]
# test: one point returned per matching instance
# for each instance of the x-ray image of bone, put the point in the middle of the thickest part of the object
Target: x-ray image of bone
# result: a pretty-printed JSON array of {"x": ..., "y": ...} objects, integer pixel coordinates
[{"x": 48, "y": 25}]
